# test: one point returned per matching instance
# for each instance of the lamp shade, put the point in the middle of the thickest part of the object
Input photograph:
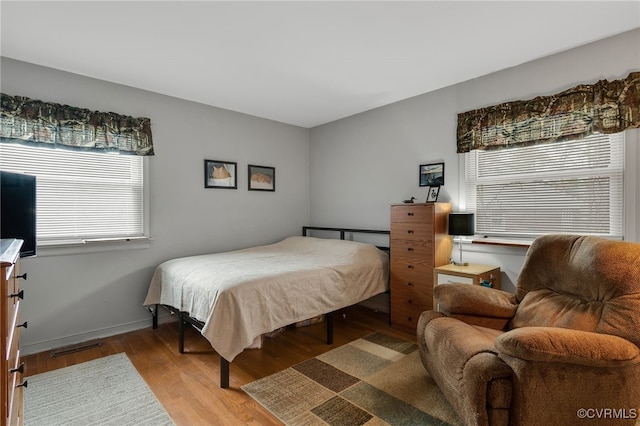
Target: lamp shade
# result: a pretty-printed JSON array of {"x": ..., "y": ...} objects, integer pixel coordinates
[{"x": 461, "y": 224}]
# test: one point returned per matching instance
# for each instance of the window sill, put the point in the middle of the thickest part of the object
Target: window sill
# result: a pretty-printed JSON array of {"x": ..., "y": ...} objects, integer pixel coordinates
[
  {"x": 70, "y": 247},
  {"x": 505, "y": 242}
]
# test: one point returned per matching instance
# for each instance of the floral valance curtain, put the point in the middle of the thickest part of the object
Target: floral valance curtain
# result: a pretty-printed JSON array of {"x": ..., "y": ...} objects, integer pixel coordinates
[
  {"x": 604, "y": 107},
  {"x": 29, "y": 121}
]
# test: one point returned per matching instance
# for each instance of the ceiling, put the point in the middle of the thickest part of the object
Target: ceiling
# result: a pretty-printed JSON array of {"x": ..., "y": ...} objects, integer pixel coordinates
[{"x": 300, "y": 62}]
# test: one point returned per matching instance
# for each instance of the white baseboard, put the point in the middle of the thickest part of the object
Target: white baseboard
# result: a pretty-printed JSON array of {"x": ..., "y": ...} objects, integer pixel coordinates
[{"x": 49, "y": 345}]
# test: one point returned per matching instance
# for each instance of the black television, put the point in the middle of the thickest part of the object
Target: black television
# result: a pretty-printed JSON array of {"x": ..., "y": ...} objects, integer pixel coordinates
[{"x": 18, "y": 210}]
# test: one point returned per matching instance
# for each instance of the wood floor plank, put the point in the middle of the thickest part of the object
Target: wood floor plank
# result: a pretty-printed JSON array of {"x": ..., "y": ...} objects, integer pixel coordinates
[{"x": 187, "y": 384}]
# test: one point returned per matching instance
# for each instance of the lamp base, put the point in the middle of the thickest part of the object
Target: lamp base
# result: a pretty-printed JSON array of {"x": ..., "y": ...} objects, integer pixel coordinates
[{"x": 461, "y": 263}]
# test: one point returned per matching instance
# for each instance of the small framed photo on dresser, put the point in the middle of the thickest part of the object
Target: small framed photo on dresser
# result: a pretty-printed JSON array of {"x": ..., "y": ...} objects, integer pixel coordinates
[
  {"x": 432, "y": 194},
  {"x": 262, "y": 178}
]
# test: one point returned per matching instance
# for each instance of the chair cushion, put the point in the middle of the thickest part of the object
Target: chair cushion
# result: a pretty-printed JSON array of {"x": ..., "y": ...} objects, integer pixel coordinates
[
  {"x": 548, "y": 308},
  {"x": 552, "y": 344},
  {"x": 583, "y": 283}
]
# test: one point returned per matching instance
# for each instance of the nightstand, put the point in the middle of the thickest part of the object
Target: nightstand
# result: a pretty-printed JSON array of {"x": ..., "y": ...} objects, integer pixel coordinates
[{"x": 470, "y": 274}]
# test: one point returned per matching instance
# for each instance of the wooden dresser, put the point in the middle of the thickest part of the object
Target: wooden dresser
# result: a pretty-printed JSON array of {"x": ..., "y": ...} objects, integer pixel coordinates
[
  {"x": 12, "y": 367},
  {"x": 419, "y": 242}
]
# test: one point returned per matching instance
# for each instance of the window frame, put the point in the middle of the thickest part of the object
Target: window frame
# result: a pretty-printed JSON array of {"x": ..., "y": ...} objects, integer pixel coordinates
[
  {"x": 61, "y": 246},
  {"x": 630, "y": 202}
]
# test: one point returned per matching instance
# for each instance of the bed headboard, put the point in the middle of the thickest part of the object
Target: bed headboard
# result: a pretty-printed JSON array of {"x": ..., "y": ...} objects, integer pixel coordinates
[{"x": 343, "y": 231}]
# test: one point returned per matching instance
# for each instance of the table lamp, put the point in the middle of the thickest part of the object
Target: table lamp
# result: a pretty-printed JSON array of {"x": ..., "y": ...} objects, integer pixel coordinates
[{"x": 461, "y": 224}]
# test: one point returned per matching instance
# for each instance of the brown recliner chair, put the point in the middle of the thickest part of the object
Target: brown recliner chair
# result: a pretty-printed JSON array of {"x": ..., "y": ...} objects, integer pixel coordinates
[{"x": 563, "y": 350}]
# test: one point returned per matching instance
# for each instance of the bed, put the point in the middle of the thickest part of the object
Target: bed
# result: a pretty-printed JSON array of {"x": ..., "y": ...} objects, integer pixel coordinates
[{"x": 234, "y": 298}]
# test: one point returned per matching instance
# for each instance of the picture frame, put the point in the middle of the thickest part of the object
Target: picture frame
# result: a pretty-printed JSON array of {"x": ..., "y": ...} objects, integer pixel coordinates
[
  {"x": 432, "y": 194},
  {"x": 431, "y": 174},
  {"x": 220, "y": 174},
  {"x": 261, "y": 178}
]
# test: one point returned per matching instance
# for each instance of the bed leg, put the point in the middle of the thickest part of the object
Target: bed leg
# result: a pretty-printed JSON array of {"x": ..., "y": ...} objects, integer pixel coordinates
[
  {"x": 155, "y": 317},
  {"x": 224, "y": 373},
  {"x": 181, "y": 332},
  {"x": 329, "y": 318}
]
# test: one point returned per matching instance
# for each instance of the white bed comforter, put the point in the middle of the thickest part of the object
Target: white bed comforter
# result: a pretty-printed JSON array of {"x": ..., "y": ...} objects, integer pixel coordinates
[{"x": 242, "y": 294}]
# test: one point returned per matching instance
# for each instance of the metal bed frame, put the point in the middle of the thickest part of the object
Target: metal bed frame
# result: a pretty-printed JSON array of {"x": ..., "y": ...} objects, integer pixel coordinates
[{"x": 184, "y": 319}]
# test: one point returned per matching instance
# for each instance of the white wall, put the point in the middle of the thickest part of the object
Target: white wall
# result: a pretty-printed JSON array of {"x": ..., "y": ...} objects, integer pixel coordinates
[
  {"x": 72, "y": 298},
  {"x": 361, "y": 164}
]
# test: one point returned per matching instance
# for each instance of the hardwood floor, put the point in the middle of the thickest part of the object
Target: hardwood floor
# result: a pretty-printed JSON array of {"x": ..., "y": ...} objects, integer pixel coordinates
[{"x": 187, "y": 384}]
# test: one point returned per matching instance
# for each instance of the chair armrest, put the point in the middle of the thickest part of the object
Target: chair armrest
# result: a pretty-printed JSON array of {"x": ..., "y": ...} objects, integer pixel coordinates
[
  {"x": 552, "y": 344},
  {"x": 465, "y": 299}
]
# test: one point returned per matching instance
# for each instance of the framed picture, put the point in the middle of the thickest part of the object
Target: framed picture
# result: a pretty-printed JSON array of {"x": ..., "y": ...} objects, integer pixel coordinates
[
  {"x": 432, "y": 174},
  {"x": 432, "y": 194},
  {"x": 220, "y": 174},
  {"x": 262, "y": 178}
]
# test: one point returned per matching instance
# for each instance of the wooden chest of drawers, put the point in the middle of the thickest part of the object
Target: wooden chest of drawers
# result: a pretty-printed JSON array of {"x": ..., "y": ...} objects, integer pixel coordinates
[
  {"x": 419, "y": 242},
  {"x": 11, "y": 366}
]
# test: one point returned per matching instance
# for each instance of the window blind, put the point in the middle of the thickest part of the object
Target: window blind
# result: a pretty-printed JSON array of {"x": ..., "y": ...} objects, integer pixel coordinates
[
  {"x": 561, "y": 187},
  {"x": 81, "y": 194}
]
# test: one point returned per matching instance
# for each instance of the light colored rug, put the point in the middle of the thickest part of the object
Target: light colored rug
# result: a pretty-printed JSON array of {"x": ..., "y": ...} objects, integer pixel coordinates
[
  {"x": 375, "y": 380},
  {"x": 105, "y": 391}
]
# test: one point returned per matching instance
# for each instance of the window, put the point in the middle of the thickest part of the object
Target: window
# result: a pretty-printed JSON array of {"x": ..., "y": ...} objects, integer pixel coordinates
[
  {"x": 561, "y": 187},
  {"x": 81, "y": 195}
]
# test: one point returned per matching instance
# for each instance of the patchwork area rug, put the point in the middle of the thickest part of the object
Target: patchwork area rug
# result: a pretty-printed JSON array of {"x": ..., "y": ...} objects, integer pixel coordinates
[
  {"x": 375, "y": 380},
  {"x": 105, "y": 391}
]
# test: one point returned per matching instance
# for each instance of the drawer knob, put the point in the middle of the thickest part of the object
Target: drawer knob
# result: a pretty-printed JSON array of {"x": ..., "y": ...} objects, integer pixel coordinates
[
  {"x": 19, "y": 295},
  {"x": 410, "y": 231},
  {"x": 409, "y": 248},
  {"x": 410, "y": 214},
  {"x": 409, "y": 301},
  {"x": 20, "y": 369},
  {"x": 23, "y": 384},
  {"x": 410, "y": 284},
  {"x": 23, "y": 276},
  {"x": 24, "y": 324},
  {"x": 410, "y": 266}
]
